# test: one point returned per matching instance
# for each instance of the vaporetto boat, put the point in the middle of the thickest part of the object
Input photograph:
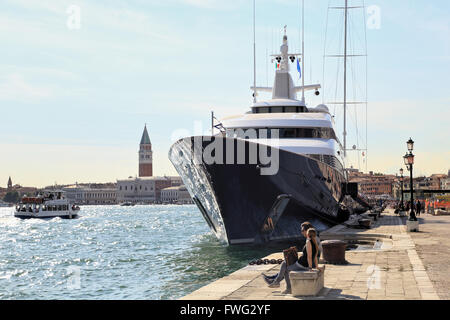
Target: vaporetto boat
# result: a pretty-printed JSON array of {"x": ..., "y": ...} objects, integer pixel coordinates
[{"x": 49, "y": 204}]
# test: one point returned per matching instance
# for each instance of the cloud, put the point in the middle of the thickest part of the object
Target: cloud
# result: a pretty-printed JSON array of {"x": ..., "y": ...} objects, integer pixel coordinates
[
  {"x": 214, "y": 4},
  {"x": 15, "y": 88}
]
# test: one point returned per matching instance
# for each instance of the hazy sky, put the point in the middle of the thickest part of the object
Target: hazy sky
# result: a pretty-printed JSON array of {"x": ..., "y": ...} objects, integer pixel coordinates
[{"x": 74, "y": 101}]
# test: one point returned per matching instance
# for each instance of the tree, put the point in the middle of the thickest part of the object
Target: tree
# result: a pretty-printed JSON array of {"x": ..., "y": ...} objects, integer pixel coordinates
[{"x": 12, "y": 197}]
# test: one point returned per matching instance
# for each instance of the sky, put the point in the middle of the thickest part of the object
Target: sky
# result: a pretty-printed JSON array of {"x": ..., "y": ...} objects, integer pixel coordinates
[{"x": 75, "y": 94}]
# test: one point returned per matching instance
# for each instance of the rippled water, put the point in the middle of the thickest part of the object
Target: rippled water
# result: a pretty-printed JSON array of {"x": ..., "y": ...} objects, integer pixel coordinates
[{"x": 113, "y": 252}]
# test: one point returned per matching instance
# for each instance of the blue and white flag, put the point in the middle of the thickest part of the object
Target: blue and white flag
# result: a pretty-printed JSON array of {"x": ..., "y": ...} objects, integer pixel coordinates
[{"x": 299, "y": 69}]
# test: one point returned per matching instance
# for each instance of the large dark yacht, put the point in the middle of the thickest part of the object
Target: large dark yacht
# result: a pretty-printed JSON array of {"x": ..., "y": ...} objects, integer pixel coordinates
[{"x": 261, "y": 174}]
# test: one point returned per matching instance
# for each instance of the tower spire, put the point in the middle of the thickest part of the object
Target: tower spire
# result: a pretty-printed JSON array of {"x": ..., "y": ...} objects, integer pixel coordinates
[
  {"x": 145, "y": 155},
  {"x": 145, "y": 138}
]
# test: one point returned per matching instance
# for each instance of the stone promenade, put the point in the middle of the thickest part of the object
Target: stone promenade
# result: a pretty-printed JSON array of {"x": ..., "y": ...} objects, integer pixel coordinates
[{"x": 394, "y": 270}]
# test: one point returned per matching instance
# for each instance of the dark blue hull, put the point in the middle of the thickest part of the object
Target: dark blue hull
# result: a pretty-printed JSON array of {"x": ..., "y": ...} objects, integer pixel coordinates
[{"x": 237, "y": 201}]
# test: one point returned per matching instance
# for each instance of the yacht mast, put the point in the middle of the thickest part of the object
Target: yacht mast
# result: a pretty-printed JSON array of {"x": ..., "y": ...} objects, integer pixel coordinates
[
  {"x": 303, "y": 51},
  {"x": 345, "y": 77},
  {"x": 254, "y": 51}
]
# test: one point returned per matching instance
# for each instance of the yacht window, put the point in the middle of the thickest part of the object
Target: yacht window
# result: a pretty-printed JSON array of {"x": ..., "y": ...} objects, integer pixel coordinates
[
  {"x": 277, "y": 109},
  {"x": 290, "y": 109},
  {"x": 288, "y": 133}
]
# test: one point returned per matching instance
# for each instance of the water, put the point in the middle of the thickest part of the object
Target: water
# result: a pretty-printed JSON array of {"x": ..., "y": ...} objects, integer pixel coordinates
[{"x": 113, "y": 252}]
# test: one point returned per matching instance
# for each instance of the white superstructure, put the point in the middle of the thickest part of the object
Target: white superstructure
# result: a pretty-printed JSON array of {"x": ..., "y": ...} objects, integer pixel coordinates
[{"x": 286, "y": 122}]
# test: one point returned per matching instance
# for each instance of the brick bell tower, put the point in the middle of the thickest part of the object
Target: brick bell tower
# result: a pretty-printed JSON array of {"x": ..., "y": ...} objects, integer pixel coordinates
[{"x": 145, "y": 155}]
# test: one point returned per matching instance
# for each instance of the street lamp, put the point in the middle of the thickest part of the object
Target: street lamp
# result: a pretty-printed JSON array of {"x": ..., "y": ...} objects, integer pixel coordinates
[
  {"x": 409, "y": 161},
  {"x": 401, "y": 183},
  {"x": 410, "y": 144}
]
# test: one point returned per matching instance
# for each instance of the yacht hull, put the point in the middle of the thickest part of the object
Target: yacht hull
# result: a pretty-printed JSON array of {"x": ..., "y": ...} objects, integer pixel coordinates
[{"x": 236, "y": 200}]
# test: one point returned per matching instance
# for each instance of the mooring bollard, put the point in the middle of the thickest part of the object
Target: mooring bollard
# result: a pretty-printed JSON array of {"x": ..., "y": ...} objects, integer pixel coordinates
[
  {"x": 412, "y": 226},
  {"x": 365, "y": 223},
  {"x": 334, "y": 251}
]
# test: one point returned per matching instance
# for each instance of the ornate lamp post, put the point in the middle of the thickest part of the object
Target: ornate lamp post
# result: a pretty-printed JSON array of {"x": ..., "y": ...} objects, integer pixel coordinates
[
  {"x": 409, "y": 161},
  {"x": 402, "y": 208}
]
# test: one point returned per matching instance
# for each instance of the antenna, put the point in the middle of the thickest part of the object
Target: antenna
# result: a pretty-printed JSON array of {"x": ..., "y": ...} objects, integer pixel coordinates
[
  {"x": 303, "y": 51},
  {"x": 254, "y": 51},
  {"x": 345, "y": 77}
]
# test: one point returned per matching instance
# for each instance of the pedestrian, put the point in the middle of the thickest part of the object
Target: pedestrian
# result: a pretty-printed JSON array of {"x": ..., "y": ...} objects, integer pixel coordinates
[{"x": 418, "y": 207}]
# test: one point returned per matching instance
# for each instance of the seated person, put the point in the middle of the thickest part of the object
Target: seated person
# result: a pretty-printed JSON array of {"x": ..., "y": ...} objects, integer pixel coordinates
[
  {"x": 307, "y": 225},
  {"x": 306, "y": 262},
  {"x": 304, "y": 228}
]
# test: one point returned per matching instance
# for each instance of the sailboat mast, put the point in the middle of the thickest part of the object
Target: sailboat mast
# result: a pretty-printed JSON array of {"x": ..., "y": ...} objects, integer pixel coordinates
[
  {"x": 254, "y": 51},
  {"x": 303, "y": 51},
  {"x": 345, "y": 77}
]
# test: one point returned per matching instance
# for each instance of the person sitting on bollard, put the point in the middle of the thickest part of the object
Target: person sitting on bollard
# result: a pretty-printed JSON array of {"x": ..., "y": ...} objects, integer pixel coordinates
[
  {"x": 304, "y": 228},
  {"x": 306, "y": 262},
  {"x": 307, "y": 225}
]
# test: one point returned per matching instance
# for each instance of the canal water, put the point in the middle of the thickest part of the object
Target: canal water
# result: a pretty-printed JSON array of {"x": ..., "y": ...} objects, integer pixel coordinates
[{"x": 114, "y": 252}]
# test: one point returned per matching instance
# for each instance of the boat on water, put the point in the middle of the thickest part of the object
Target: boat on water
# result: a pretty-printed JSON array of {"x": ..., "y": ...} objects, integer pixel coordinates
[
  {"x": 127, "y": 204},
  {"x": 263, "y": 173},
  {"x": 49, "y": 204}
]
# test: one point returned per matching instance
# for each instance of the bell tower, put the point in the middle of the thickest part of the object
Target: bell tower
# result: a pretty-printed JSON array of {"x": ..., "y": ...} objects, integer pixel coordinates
[
  {"x": 145, "y": 155},
  {"x": 9, "y": 183}
]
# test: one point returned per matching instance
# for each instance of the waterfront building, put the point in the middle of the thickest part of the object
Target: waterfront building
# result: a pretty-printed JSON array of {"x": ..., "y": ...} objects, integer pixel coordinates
[
  {"x": 435, "y": 181},
  {"x": 373, "y": 184},
  {"x": 75, "y": 194},
  {"x": 145, "y": 155},
  {"x": 144, "y": 189},
  {"x": 78, "y": 194},
  {"x": 138, "y": 189},
  {"x": 178, "y": 194},
  {"x": 445, "y": 183},
  {"x": 176, "y": 181},
  {"x": 100, "y": 196},
  {"x": 160, "y": 184}
]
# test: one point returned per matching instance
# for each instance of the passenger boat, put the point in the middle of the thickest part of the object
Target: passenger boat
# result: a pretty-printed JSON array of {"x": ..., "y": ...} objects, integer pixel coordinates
[{"x": 49, "y": 204}]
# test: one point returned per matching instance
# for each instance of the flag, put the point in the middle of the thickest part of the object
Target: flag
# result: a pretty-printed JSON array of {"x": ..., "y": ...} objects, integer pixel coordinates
[{"x": 298, "y": 68}]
